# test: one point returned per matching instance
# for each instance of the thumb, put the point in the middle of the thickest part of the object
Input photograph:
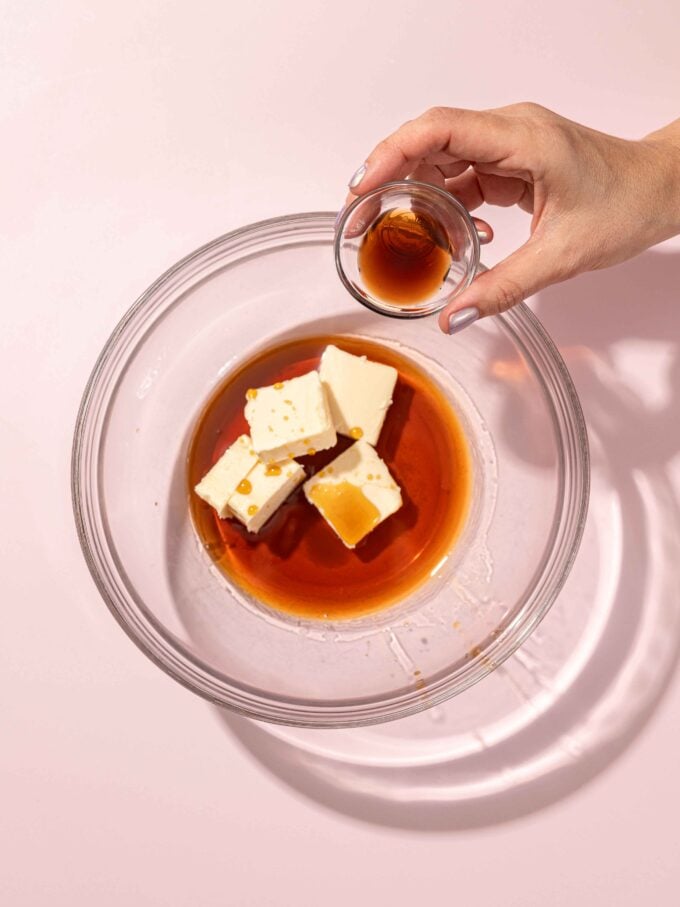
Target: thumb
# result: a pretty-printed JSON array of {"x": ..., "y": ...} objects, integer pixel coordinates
[{"x": 525, "y": 272}]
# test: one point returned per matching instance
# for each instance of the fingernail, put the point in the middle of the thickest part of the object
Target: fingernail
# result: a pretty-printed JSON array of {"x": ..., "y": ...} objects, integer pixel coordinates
[
  {"x": 484, "y": 236},
  {"x": 338, "y": 216},
  {"x": 357, "y": 177},
  {"x": 462, "y": 319}
]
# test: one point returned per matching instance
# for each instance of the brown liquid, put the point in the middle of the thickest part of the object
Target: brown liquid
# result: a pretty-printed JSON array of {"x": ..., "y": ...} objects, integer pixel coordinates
[
  {"x": 405, "y": 257},
  {"x": 296, "y": 562}
]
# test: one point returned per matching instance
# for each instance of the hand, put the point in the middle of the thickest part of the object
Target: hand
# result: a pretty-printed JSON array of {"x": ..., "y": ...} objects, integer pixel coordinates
[{"x": 595, "y": 200}]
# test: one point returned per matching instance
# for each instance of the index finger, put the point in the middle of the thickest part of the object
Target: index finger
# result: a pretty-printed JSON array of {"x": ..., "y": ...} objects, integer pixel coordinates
[{"x": 441, "y": 135}]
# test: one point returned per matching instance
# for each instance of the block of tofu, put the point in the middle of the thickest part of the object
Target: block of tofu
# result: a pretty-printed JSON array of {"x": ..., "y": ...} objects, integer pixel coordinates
[
  {"x": 262, "y": 492},
  {"x": 220, "y": 482},
  {"x": 354, "y": 493},
  {"x": 290, "y": 418},
  {"x": 359, "y": 392}
]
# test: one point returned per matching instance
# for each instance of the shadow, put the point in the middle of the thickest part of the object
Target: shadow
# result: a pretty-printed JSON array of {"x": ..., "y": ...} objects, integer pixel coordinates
[
  {"x": 393, "y": 428},
  {"x": 381, "y": 539},
  {"x": 624, "y": 584},
  {"x": 588, "y": 318}
]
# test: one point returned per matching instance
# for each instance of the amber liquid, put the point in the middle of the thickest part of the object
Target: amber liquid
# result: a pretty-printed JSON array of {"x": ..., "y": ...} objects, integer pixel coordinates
[
  {"x": 296, "y": 563},
  {"x": 404, "y": 257}
]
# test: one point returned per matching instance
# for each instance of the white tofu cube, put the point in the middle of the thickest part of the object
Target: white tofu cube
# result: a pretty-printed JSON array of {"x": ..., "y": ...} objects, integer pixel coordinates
[
  {"x": 290, "y": 419},
  {"x": 263, "y": 491},
  {"x": 359, "y": 392},
  {"x": 354, "y": 493},
  {"x": 220, "y": 482}
]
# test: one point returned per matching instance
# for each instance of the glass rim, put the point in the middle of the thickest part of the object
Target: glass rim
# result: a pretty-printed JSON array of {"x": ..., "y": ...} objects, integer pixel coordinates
[
  {"x": 161, "y": 647},
  {"x": 426, "y": 308}
]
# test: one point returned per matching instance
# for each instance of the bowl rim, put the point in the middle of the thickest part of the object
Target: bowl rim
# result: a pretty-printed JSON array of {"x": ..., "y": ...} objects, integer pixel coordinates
[{"x": 531, "y": 338}]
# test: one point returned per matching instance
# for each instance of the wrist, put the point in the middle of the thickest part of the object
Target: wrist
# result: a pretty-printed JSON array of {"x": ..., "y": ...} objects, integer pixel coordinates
[{"x": 664, "y": 145}]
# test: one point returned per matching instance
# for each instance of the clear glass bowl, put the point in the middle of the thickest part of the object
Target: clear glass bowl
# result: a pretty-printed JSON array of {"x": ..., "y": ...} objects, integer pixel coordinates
[
  {"x": 248, "y": 289},
  {"x": 424, "y": 200}
]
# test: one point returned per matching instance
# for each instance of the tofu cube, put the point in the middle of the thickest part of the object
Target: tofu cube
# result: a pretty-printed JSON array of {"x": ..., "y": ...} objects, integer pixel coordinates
[
  {"x": 220, "y": 482},
  {"x": 354, "y": 493},
  {"x": 359, "y": 392},
  {"x": 263, "y": 491},
  {"x": 290, "y": 418}
]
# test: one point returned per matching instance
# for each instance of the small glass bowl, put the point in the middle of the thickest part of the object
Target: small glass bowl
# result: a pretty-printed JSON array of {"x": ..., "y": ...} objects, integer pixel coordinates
[{"x": 434, "y": 203}]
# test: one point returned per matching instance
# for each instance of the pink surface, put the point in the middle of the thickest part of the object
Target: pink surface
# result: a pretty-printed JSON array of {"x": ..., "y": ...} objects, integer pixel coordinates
[{"x": 134, "y": 132}]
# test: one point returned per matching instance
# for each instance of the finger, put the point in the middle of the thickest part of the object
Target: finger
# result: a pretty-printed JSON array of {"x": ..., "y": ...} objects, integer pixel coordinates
[
  {"x": 466, "y": 189},
  {"x": 449, "y": 133},
  {"x": 473, "y": 189},
  {"x": 529, "y": 269},
  {"x": 453, "y": 169},
  {"x": 503, "y": 191},
  {"x": 428, "y": 173}
]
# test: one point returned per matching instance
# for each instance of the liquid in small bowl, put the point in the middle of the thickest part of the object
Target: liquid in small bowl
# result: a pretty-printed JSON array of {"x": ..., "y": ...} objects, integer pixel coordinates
[{"x": 405, "y": 256}]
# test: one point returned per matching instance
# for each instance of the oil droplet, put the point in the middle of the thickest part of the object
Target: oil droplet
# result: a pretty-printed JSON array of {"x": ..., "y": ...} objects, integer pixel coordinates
[
  {"x": 370, "y": 477},
  {"x": 285, "y": 418},
  {"x": 251, "y": 393},
  {"x": 289, "y": 402},
  {"x": 356, "y": 433},
  {"x": 346, "y": 508},
  {"x": 322, "y": 473},
  {"x": 456, "y": 625},
  {"x": 475, "y": 651},
  {"x": 244, "y": 487},
  {"x": 329, "y": 470},
  {"x": 252, "y": 510},
  {"x": 278, "y": 386},
  {"x": 311, "y": 451},
  {"x": 273, "y": 470}
]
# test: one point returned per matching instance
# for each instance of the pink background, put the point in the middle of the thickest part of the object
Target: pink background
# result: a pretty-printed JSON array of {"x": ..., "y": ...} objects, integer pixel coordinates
[{"x": 132, "y": 133}]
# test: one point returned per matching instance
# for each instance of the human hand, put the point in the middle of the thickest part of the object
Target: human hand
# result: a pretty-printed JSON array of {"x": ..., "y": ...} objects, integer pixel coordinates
[{"x": 595, "y": 200}]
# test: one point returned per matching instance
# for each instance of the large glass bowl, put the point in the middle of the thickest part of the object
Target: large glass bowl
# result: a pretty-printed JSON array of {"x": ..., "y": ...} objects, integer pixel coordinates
[{"x": 248, "y": 289}]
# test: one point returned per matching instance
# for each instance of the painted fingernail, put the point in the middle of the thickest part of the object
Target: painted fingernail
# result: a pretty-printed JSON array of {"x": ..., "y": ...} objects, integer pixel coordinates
[
  {"x": 484, "y": 235},
  {"x": 462, "y": 319},
  {"x": 357, "y": 177}
]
